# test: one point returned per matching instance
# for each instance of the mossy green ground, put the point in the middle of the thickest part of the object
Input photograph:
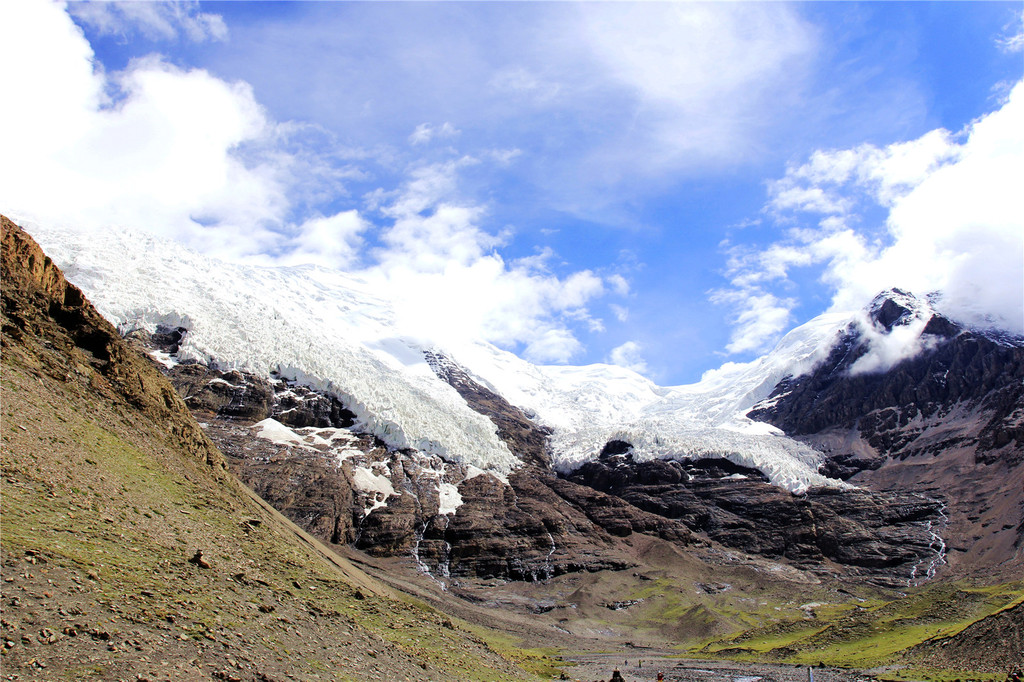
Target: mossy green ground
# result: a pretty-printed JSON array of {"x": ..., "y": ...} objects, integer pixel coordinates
[
  {"x": 867, "y": 634},
  {"x": 100, "y": 520}
]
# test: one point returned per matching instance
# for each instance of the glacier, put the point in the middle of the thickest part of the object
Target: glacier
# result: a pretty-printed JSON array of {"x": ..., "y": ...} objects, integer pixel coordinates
[{"x": 331, "y": 331}]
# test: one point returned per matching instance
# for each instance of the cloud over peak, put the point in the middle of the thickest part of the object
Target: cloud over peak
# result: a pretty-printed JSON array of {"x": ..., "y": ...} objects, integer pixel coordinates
[{"x": 941, "y": 213}]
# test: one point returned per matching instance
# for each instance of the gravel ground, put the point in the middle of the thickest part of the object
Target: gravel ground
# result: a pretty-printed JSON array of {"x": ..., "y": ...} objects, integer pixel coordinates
[{"x": 643, "y": 665}]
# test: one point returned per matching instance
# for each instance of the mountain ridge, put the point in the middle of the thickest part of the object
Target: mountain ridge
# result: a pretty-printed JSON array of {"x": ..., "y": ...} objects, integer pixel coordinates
[{"x": 600, "y": 554}]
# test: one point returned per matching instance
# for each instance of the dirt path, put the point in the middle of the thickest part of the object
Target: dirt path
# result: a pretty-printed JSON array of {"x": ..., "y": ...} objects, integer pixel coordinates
[{"x": 642, "y": 665}]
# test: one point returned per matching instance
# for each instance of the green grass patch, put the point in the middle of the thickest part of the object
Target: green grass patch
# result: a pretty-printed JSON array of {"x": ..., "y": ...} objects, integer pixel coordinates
[{"x": 872, "y": 633}]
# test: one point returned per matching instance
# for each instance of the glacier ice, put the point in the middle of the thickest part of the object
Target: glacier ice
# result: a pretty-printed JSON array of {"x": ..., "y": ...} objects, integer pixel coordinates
[{"x": 329, "y": 330}]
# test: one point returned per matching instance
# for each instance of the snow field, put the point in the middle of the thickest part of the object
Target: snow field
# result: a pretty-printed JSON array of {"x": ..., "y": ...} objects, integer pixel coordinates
[{"x": 328, "y": 330}]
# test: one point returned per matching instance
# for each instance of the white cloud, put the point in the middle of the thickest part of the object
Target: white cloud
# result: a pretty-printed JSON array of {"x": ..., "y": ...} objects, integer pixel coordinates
[
  {"x": 823, "y": 184},
  {"x": 953, "y": 223},
  {"x": 629, "y": 355},
  {"x": 331, "y": 241},
  {"x": 886, "y": 349},
  {"x": 505, "y": 157},
  {"x": 154, "y": 20},
  {"x": 552, "y": 345},
  {"x": 1013, "y": 38},
  {"x": 758, "y": 318},
  {"x": 703, "y": 78},
  {"x": 186, "y": 155},
  {"x": 621, "y": 312},
  {"x": 425, "y": 132},
  {"x": 451, "y": 286},
  {"x": 160, "y": 156},
  {"x": 619, "y": 284}
]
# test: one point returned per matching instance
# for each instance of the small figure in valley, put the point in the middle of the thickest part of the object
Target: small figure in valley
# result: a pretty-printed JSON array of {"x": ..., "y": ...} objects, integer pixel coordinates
[{"x": 661, "y": 676}]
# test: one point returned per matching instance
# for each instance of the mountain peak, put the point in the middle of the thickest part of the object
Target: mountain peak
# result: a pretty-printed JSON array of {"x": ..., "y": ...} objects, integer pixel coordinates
[{"x": 895, "y": 307}]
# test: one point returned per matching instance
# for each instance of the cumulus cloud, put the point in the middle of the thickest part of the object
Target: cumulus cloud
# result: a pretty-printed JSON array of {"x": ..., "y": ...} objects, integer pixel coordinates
[
  {"x": 153, "y": 20},
  {"x": 823, "y": 183},
  {"x": 186, "y": 155},
  {"x": 450, "y": 285},
  {"x": 329, "y": 241},
  {"x": 952, "y": 222},
  {"x": 629, "y": 355},
  {"x": 160, "y": 153},
  {"x": 885, "y": 349},
  {"x": 758, "y": 317}
]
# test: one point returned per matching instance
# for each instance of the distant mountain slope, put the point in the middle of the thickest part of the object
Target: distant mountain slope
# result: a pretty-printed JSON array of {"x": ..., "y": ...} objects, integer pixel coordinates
[
  {"x": 997, "y": 639},
  {"x": 947, "y": 419},
  {"x": 129, "y": 551}
]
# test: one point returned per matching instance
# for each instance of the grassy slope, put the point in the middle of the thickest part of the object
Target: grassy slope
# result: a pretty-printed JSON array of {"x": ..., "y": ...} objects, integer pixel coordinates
[
  {"x": 874, "y": 633},
  {"x": 750, "y": 613},
  {"x": 103, "y": 507}
]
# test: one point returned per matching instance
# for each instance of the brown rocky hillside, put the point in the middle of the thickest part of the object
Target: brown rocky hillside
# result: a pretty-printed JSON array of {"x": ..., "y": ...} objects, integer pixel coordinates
[{"x": 130, "y": 552}]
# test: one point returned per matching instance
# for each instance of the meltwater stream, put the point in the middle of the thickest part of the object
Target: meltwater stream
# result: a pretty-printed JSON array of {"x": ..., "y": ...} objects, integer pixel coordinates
[{"x": 937, "y": 544}]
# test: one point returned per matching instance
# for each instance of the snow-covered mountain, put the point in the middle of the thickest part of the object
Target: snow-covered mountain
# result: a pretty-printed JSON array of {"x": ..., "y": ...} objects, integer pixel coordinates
[
  {"x": 368, "y": 436},
  {"x": 331, "y": 331}
]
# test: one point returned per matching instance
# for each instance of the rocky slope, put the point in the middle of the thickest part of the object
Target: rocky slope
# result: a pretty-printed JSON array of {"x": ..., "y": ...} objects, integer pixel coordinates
[
  {"x": 130, "y": 551},
  {"x": 349, "y": 488},
  {"x": 959, "y": 395},
  {"x": 948, "y": 422},
  {"x": 997, "y": 638},
  {"x": 878, "y": 535}
]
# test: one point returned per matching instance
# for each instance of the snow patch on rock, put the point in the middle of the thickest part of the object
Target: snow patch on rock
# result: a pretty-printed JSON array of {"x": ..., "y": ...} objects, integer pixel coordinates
[{"x": 449, "y": 497}]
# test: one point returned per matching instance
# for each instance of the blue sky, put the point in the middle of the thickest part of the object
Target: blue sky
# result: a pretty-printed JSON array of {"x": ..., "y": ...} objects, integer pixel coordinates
[{"x": 664, "y": 186}]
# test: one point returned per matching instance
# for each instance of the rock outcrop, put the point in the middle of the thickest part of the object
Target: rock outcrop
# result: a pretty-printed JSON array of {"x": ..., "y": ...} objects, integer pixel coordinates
[
  {"x": 958, "y": 372},
  {"x": 348, "y": 488},
  {"x": 39, "y": 302},
  {"x": 302, "y": 451},
  {"x": 948, "y": 421},
  {"x": 884, "y": 537}
]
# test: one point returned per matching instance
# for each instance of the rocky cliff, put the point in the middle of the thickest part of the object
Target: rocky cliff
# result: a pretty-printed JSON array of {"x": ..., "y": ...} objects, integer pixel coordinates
[
  {"x": 300, "y": 450},
  {"x": 948, "y": 422},
  {"x": 348, "y": 488}
]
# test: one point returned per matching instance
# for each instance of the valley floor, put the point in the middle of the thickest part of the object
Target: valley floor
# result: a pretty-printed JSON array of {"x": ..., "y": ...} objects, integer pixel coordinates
[{"x": 641, "y": 665}]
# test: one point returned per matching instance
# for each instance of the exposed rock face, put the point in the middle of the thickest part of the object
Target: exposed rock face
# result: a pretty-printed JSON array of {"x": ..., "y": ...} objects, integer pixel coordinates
[
  {"x": 894, "y": 411},
  {"x": 525, "y": 438},
  {"x": 348, "y": 488},
  {"x": 240, "y": 395},
  {"x": 949, "y": 419},
  {"x": 883, "y": 537},
  {"x": 39, "y": 302},
  {"x": 532, "y": 527}
]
